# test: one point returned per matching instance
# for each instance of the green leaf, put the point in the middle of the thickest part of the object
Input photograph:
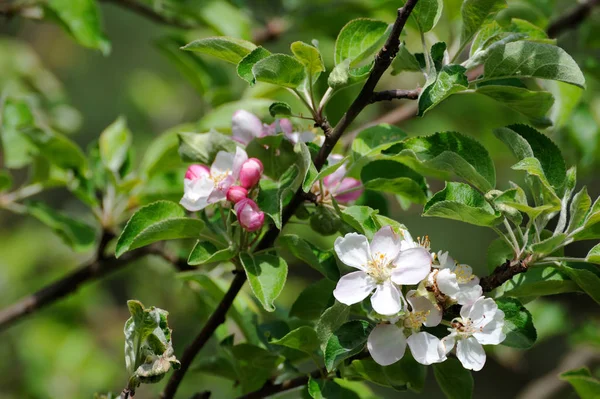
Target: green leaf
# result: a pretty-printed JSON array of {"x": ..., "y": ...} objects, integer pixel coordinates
[
  {"x": 474, "y": 14},
  {"x": 580, "y": 205},
  {"x": 254, "y": 365},
  {"x": 331, "y": 319},
  {"x": 498, "y": 253},
  {"x": 361, "y": 219},
  {"x": 81, "y": 19},
  {"x": 114, "y": 143},
  {"x": 594, "y": 255},
  {"x": 549, "y": 245},
  {"x": 405, "y": 61},
  {"x": 280, "y": 69},
  {"x": 406, "y": 373},
  {"x": 280, "y": 108},
  {"x": 244, "y": 68},
  {"x": 267, "y": 275},
  {"x": 461, "y": 202},
  {"x": 6, "y": 180},
  {"x": 206, "y": 252},
  {"x": 302, "y": 338},
  {"x": 346, "y": 341},
  {"x": 78, "y": 235},
  {"x": 310, "y": 57},
  {"x": 162, "y": 153},
  {"x": 537, "y": 60},
  {"x": 446, "y": 154},
  {"x": 455, "y": 381},
  {"x": 526, "y": 142},
  {"x": 587, "y": 280},
  {"x": 225, "y": 48},
  {"x": 313, "y": 300},
  {"x": 358, "y": 40},
  {"x": 537, "y": 281},
  {"x": 449, "y": 80},
  {"x": 333, "y": 389},
  {"x": 518, "y": 324},
  {"x": 397, "y": 178},
  {"x": 16, "y": 149},
  {"x": 586, "y": 386},
  {"x": 427, "y": 13},
  {"x": 203, "y": 147},
  {"x": 375, "y": 139},
  {"x": 149, "y": 351},
  {"x": 322, "y": 261},
  {"x": 57, "y": 149},
  {"x": 159, "y": 221},
  {"x": 533, "y": 104}
]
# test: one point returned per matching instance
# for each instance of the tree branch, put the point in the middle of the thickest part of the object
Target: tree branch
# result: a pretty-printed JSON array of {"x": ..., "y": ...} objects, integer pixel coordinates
[
  {"x": 150, "y": 13},
  {"x": 502, "y": 274},
  {"x": 383, "y": 59},
  {"x": 571, "y": 19},
  {"x": 396, "y": 94}
]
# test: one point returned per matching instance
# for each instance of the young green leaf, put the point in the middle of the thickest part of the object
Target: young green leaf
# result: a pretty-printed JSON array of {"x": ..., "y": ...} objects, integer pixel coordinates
[
  {"x": 455, "y": 381},
  {"x": 533, "y": 104},
  {"x": 244, "y": 68},
  {"x": 302, "y": 338},
  {"x": 549, "y": 245},
  {"x": 395, "y": 177},
  {"x": 461, "y": 202},
  {"x": 587, "y": 280},
  {"x": 81, "y": 19},
  {"x": 346, "y": 341},
  {"x": 586, "y": 385},
  {"x": 203, "y": 147},
  {"x": 159, "y": 221},
  {"x": 528, "y": 59},
  {"x": 375, "y": 139},
  {"x": 427, "y": 13},
  {"x": 358, "y": 40},
  {"x": 518, "y": 324},
  {"x": 76, "y": 234},
  {"x": 580, "y": 205},
  {"x": 322, "y": 261},
  {"x": 449, "y": 80},
  {"x": 594, "y": 255},
  {"x": 205, "y": 252},
  {"x": 225, "y": 48},
  {"x": 280, "y": 108},
  {"x": 58, "y": 149},
  {"x": 254, "y": 365},
  {"x": 446, "y": 154},
  {"x": 16, "y": 115},
  {"x": 405, "y": 61},
  {"x": 310, "y": 57},
  {"x": 474, "y": 14},
  {"x": 114, "y": 143},
  {"x": 331, "y": 319},
  {"x": 361, "y": 219},
  {"x": 538, "y": 281},
  {"x": 281, "y": 70},
  {"x": 313, "y": 300},
  {"x": 267, "y": 275}
]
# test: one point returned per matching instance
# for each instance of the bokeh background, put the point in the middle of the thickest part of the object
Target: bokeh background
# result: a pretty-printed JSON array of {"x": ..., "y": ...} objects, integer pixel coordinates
[{"x": 74, "y": 348}]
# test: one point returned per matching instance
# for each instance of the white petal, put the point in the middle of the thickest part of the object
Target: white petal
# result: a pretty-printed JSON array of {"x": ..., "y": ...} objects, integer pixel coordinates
[
  {"x": 424, "y": 348},
  {"x": 423, "y": 304},
  {"x": 407, "y": 241},
  {"x": 481, "y": 311},
  {"x": 196, "y": 193},
  {"x": 354, "y": 287},
  {"x": 446, "y": 261},
  {"x": 239, "y": 158},
  {"x": 446, "y": 282},
  {"x": 470, "y": 353},
  {"x": 386, "y": 344},
  {"x": 386, "y": 242},
  {"x": 245, "y": 126},
  {"x": 223, "y": 163},
  {"x": 353, "y": 250},
  {"x": 412, "y": 266},
  {"x": 492, "y": 333},
  {"x": 446, "y": 344},
  {"x": 387, "y": 299},
  {"x": 468, "y": 293}
]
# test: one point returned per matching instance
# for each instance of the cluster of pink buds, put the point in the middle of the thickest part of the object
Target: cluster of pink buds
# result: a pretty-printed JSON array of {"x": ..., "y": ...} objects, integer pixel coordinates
[
  {"x": 250, "y": 173},
  {"x": 249, "y": 215}
]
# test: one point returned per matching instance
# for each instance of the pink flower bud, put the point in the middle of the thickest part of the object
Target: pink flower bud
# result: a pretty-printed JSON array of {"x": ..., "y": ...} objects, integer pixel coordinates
[
  {"x": 245, "y": 126},
  {"x": 348, "y": 190},
  {"x": 236, "y": 193},
  {"x": 196, "y": 171},
  {"x": 249, "y": 215},
  {"x": 250, "y": 172},
  {"x": 283, "y": 125}
]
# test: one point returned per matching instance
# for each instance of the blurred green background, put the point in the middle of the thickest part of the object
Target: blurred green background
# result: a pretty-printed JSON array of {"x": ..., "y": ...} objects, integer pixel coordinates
[{"x": 74, "y": 348}]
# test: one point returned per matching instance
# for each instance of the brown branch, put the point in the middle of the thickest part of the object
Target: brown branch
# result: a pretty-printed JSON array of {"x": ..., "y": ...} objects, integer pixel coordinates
[
  {"x": 572, "y": 18},
  {"x": 396, "y": 94},
  {"x": 502, "y": 274},
  {"x": 383, "y": 59}
]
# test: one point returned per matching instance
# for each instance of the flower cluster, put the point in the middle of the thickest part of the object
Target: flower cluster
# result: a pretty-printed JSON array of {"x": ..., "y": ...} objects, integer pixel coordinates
[
  {"x": 393, "y": 260},
  {"x": 246, "y": 126}
]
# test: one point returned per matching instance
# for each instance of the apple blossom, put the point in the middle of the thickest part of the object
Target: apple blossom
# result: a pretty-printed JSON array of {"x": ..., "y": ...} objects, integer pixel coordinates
[
  {"x": 204, "y": 186},
  {"x": 246, "y": 126},
  {"x": 387, "y": 342},
  {"x": 480, "y": 323},
  {"x": 455, "y": 280},
  {"x": 382, "y": 266},
  {"x": 250, "y": 172},
  {"x": 343, "y": 189},
  {"x": 236, "y": 193},
  {"x": 249, "y": 215}
]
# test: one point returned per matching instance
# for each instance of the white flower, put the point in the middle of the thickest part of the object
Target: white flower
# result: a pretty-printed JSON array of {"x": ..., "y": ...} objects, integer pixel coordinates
[
  {"x": 246, "y": 126},
  {"x": 203, "y": 186},
  {"x": 381, "y": 266},
  {"x": 480, "y": 323},
  {"x": 387, "y": 342},
  {"x": 456, "y": 280}
]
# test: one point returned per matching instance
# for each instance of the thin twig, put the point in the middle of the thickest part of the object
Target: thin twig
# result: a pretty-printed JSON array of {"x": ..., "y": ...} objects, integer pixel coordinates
[
  {"x": 572, "y": 19},
  {"x": 396, "y": 94},
  {"x": 150, "y": 13},
  {"x": 383, "y": 59},
  {"x": 502, "y": 274}
]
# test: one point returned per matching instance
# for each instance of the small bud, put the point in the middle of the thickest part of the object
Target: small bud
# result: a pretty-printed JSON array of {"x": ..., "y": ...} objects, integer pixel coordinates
[
  {"x": 250, "y": 172},
  {"x": 325, "y": 221},
  {"x": 249, "y": 215},
  {"x": 196, "y": 171},
  {"x": 236, "y": 193}
]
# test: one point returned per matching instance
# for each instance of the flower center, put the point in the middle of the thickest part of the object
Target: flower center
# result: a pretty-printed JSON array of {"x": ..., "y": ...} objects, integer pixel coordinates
[
  {"x": 324, "y": 196},
  {"x": 415, "y": 320},
  {"x": 464, "y": 273},
  {"x": 379, "y": 267},
  {"x": 424, "y": 242},
  {"x": 217, "y": 178},
  {"x": 465, "y": 327}
]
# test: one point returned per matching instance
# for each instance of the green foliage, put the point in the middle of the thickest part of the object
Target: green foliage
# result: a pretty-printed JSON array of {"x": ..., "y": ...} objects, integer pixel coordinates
[
  {"x": 448, "y": 80},
  {"x": 396, "y": 178},
  {"x": 280, "y": 69},
  {"x": 455, "y": 381},
  {"x": 303, "y": 338},
  {"x": 518, "y": 324},
  {"x": 205, "y": 252},
  {"x": 586, "y": 386},
  {"x": 225, "y": 48},
  {"x": 346, "y": 341},
  {"x": 161, "y": 220},
  {"x": 588, "y": 280},
  {"x": 427, "y": 13},
  {"x": 474, "y": 14},
  {"x": 322, "y": 261},
  {"x": 533, "y": 104},
  {"x": 267, "y": 275},
  {"x": 538, "y": 281},
  {"x": 245, "y": 65},
  {"x": 114, "y": 143},
  {"x": 203, "y": 147},
  {"x": 313, "y": 300}
]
